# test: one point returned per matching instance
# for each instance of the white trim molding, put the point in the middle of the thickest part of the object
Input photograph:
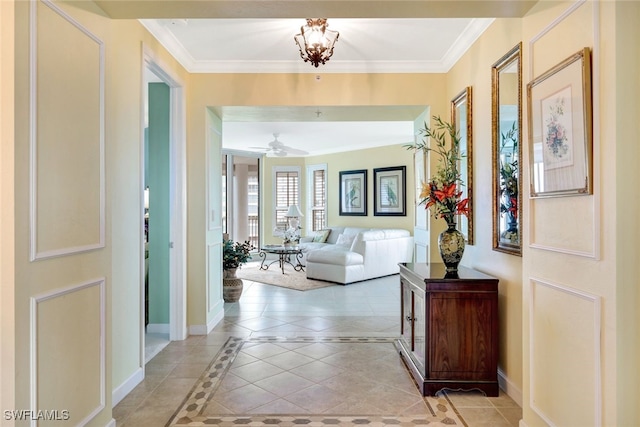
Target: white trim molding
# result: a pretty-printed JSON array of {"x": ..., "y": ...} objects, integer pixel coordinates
[
  {"x": 309, "y": 207},
  {"x": 205, "y": 329},
  {"x": 596, "y": 302},
  {"x": 178, "y": 197},
  {"x": 509, "y": 387},
  {"x": 596, "y": 228},
  {"x": 121, "y": 391},
  {"x": 548, "y": 28},
  {"x": 158, "y": 328},
  {"x": 33, "y": 356},
  {"x": 35, "y": 254},
  {"x": 472, "y": 32}
]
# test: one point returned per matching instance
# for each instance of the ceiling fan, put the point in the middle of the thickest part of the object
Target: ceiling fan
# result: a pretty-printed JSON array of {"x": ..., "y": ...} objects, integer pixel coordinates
[{"x": 279, "y": 149}]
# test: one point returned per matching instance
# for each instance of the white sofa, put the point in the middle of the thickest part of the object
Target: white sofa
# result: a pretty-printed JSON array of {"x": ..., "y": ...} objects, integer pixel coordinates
[{"x": 373, "y": 253}]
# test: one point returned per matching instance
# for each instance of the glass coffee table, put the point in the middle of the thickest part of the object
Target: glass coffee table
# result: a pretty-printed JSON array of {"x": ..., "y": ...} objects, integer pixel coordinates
[{"x": 285, "y": 255}]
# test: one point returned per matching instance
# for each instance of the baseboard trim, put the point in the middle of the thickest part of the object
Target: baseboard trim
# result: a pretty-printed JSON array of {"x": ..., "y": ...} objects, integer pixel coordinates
[
  {"x": 125, "y": 388},
  {"x": 205, "y": 329},
  {"x": 111, "y": 423},
  {"x": 158, "y": 328},
  {"x": 509, "y": 387}
]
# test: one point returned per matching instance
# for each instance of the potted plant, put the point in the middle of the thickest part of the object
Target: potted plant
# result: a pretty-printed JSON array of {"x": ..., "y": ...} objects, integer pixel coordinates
[
  {"x": 509, "y": 183},
  {"x": 442, "y": 192},
  {"x": 234, "y": 255}
]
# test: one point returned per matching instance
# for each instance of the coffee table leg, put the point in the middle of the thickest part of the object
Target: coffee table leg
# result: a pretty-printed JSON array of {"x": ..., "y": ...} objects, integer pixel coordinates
[
  {"x": 263, "y": 255},
  {"x": 299, "y": 266}
]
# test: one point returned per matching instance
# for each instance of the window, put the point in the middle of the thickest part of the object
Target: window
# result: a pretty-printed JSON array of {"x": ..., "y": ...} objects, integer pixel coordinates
[
  {"x": 317, "y": 197},
  {"x": 286, "y": 182},
  {"x": 241, "y": 197}
]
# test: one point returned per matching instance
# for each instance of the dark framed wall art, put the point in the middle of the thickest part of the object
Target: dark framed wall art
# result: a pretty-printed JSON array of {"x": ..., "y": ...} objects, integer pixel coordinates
[
  {"x": 389, "y": 188},
  {"x": 353, "y": 193}
]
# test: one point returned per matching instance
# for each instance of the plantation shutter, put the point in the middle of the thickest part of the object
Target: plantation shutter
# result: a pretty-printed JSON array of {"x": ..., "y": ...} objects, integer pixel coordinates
[
  {"x": 287, "y": 193},
  {"x": 319, "y": 200}
]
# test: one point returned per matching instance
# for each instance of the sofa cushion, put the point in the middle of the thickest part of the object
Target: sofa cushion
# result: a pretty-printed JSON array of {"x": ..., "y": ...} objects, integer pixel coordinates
[
  {"x": 321, "y": 236},
  {"x": 333, "y": 236},
  {"x": 312, "y": 246},
  {"x": 345, "y": 240},
  {"x": 353, "y": 230},
  {"x": 333, "y": 255},
  {"x": 395, "y": 233}
]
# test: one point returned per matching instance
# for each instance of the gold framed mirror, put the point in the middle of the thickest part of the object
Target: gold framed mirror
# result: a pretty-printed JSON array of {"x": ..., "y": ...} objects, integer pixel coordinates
[
  {"x": 506, "y": 132},
  {"x": 461, "y": 121}
]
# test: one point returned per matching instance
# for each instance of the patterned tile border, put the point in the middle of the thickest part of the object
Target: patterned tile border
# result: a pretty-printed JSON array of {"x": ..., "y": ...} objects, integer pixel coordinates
[{"x": 443, "y": 413}]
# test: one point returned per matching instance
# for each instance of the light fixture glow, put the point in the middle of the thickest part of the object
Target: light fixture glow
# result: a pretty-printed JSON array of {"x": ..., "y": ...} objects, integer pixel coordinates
[{"x": 315, "y": 41}]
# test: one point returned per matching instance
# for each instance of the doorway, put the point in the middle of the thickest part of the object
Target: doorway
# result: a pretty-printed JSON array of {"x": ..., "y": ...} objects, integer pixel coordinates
[
  {"x": 157, "y": 240},
  {"x": 163, "y": 279},
  {"x": 241, "y": 196}
]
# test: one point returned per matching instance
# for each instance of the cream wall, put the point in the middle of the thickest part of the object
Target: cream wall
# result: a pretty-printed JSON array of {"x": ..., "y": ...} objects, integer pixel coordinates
[
  {"x": 7, "y": 226},
  {"x": 624, "y": 17},
  {"x": 607, "y": 281},
  {"x": 214, "y": 90},
  {"x": 100, "y": 298},
  {"x": 61, "y": 302},
  {"x": 361, "y": 159},
  {"x": 368, "y": 159},
  {"x": 124, "y": 152},
  {"x": 474, "y": 69},
  {"x": 576, "y": 369}
]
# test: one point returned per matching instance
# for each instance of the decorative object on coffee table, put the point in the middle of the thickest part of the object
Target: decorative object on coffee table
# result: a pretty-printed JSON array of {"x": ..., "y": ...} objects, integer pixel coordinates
[
  {"x": 234, "y": 255},
  {"x": 442, "y": 192}
]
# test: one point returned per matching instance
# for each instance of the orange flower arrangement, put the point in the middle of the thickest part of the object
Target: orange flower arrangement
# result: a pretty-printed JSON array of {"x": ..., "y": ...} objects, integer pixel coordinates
[{"x": 443, "y": 192}]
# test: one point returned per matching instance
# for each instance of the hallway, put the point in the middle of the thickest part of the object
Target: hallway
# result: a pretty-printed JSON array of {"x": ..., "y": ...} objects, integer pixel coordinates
[{"x": 266, "y": 379}]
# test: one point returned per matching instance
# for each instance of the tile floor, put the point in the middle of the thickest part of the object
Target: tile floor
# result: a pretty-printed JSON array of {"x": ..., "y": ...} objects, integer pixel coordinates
[
  {"x": 369, "y": 309},
  {"x": 154, "y": 343}
]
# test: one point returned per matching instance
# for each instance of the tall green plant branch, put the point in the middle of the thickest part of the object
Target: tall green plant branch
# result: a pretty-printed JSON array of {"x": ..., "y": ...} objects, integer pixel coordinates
[
  {"x": 438, "y": 133},
  {"x": 443, "y": 189}
]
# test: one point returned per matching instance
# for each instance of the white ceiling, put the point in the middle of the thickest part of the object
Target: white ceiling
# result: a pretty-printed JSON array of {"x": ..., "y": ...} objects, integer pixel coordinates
[{"x": 365, "y": 45}]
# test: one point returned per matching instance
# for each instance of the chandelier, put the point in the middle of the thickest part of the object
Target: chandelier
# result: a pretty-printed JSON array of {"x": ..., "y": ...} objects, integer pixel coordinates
[{"x": 315, "y": 41}]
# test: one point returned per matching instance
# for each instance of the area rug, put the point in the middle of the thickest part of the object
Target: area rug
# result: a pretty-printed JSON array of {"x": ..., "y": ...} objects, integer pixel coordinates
[
  {"x": 440, "y": 412},
  {"x": 291, "y": 279}
]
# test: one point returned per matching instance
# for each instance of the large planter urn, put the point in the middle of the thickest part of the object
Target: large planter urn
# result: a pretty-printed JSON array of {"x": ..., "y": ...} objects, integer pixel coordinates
[
  {"x": 231, "y": 285},
  {"x": 451, "y": 246}
]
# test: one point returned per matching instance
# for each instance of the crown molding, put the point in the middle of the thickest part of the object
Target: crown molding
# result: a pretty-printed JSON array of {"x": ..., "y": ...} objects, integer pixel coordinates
[
  {"x": 170, "y": 42},
  {"x": 471, "y": 33}
]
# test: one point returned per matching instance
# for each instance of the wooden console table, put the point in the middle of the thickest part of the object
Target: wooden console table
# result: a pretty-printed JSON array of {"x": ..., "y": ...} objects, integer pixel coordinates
[{"x": 449, "y": 328}]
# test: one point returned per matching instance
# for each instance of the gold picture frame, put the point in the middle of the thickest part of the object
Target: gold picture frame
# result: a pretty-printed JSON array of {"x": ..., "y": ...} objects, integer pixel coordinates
[
  {"x": 461, "y": 119},
  {"x": 506, "y": 137},
  {"x": 560, "y": 129}
]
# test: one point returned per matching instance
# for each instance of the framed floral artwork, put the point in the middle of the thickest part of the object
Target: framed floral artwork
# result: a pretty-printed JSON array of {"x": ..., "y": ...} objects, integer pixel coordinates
[
  {"x": 560, "y": 128},
  {"x": 353, "y": 193},
  {"x": 389, "y": 188}
]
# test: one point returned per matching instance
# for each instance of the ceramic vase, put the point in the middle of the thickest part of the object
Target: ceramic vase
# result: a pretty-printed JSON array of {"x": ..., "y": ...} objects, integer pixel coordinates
[
  {"x": 231, "y": 285},
  {"x": 451, "y": 246}
]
